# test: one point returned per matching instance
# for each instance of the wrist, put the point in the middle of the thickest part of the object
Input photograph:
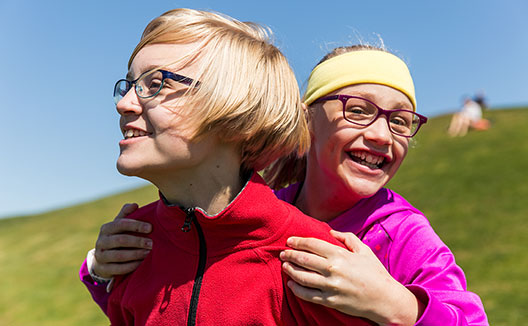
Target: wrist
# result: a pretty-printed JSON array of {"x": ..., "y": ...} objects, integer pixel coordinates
[
  {"x": 405, "y": 308},
  {"x": 90, "y": 262}
]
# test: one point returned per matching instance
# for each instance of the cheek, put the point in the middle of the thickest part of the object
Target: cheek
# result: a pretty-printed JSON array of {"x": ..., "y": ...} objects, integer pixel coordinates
[
  {"x": 162, "y": 119},
  {"x": 329, "y": 148},
  {"x": 400, "y": 149},
  {"x": 323, "y": 143},
  {"x": 326, "y": 133}
]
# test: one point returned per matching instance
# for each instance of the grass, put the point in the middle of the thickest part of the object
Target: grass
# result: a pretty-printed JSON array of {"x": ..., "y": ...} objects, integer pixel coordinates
[
  {"x": 39, "y": 260},
  {"x": 472, "y": 189}
]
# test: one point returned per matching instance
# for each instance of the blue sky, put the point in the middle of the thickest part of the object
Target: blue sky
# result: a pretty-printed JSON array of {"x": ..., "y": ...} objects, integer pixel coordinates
[{"x": 59, "y": 61}]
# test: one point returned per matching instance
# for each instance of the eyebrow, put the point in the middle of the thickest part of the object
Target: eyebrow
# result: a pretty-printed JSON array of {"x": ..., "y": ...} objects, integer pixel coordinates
[
  {"x": 129, "y": 75},
  {"x": 397, "y": 106}
]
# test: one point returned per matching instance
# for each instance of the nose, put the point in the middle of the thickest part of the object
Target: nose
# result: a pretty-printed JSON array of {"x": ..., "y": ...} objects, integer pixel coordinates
[
  {"x": 129, "y": 104},
  {"x": 379, "y": 132}
]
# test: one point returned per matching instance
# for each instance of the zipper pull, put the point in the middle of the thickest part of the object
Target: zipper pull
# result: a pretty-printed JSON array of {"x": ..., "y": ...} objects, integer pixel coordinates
[{"x": 188, "y": 219}]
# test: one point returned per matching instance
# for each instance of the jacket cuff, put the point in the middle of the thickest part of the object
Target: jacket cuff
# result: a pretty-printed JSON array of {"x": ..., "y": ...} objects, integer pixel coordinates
[
  {"x": 98, "y": 280},
  {"x": 98, "y": 291},
  {"x": 435, "y": 312}
]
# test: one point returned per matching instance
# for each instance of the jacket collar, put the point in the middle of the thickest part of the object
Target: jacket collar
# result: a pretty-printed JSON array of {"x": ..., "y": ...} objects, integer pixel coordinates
[{"x": 254, "y": 217}]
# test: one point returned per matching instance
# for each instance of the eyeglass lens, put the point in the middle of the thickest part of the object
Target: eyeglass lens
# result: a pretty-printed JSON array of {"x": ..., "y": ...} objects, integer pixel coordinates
[
  {"x": 146, "y": 86},
  {"x": 362, "y": 112}
]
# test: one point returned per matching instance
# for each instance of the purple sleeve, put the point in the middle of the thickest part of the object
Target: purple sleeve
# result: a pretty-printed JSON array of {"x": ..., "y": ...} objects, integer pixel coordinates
[
  {"x": 98, "y": 291},
  {"x": 424, "y": 264}
]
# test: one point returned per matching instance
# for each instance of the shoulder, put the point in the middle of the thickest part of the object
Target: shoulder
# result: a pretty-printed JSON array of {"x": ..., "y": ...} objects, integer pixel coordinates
[
  {"x": 397, "y": 216},
  {"x": 408, "y": 228},
  {"x": 406, "y": 222},
  {"x": 302, "y": 225},
  {"x": 417, "y": 253},
  {"x": 145, "y": 213}
]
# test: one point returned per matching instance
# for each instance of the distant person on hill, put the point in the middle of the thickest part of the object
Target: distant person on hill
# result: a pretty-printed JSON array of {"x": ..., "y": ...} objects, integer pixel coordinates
[
  {"x": 480, "y": 98},
  {"x": 361, "y": 111},
  {"x": 469, "y": 117}
]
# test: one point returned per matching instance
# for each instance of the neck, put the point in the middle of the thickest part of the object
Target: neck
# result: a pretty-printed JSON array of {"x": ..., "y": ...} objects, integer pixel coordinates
[
  {"x": 322, "y": 198},
  {"x": 211, "y": 185}
]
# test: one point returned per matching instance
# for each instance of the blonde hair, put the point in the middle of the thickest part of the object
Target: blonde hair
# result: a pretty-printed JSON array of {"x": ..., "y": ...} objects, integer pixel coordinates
[
  {"x": 248, "y": 94},
  {"x": 292, "y": 169}
]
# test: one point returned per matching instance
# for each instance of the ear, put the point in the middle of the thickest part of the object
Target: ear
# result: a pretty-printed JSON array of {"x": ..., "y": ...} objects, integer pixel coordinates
[{"x": 306, "y": 112}]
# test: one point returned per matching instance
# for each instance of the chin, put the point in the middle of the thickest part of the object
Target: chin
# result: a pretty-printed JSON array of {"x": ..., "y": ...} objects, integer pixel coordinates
[
  {"x": 364, "y": 189},
  {"x": 128, "y": 169},
  {"x": 127, "y": 172}
]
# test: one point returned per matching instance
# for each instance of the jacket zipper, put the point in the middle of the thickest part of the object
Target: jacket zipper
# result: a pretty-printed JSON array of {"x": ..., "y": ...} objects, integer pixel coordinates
[{"x": 191, "y": 218}]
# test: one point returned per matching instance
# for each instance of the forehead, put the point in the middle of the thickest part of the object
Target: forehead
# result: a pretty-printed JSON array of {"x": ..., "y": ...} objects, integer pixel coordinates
[
  {"x": 384, "y": 96},
  {"x": 169, "y": 56}
]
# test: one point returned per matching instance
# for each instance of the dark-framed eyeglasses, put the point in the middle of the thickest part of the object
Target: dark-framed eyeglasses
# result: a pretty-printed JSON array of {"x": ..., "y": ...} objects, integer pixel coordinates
[
  {"x": 363, "y": 112},
  {"x": 149, "y": 84}
]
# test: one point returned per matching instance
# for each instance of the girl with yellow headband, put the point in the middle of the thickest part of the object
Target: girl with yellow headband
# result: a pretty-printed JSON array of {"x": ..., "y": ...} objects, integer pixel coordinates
[{"x": 361, "y": 110}]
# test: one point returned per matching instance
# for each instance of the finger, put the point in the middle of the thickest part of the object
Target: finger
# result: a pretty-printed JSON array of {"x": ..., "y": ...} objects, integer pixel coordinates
[
  {"x": 110, "y": 270},
  {"x": 305, "y": 293},
  {"x": 303, "y": 276},
  {"x": 127, "y": 209},
  {"x": 120, "y": 256},
  {"x": 315, "y": 246},
  {"x": 350, "y": 240},
  {"x": 306, "y": 260},
  {"x": 125, "y": 225},
  {"x": 122, "y": 241}
]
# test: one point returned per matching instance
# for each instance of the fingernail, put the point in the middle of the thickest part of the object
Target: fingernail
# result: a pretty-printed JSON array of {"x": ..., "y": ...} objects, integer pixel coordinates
[
  {"x": 281, "y": 255},
  {"x": 146, "y": 228},
  {"x": 148, "y": 243},
  {"x": 290, "y": 284}
]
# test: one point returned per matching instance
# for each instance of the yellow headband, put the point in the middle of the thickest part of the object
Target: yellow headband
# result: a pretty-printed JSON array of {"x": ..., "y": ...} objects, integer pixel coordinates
[{"x": 360, "y": 67}]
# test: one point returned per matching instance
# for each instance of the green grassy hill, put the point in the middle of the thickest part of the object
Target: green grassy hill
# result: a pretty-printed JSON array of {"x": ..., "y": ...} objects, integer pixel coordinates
[{"x": 473, "y": 190}]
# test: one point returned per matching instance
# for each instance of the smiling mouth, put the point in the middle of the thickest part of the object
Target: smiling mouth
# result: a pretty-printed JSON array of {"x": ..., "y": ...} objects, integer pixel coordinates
[
  {"x": 131, "y": 133},
  {"x": 367, "y": 159}
]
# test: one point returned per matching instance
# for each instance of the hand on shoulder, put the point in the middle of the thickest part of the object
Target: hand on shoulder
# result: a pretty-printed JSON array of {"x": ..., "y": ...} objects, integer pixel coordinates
[
  {"x": 352, "y": 281},
  {"x": 116, "y": 251}
]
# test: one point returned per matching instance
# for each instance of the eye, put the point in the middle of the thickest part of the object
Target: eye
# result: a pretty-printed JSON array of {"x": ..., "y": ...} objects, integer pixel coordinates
[
  {"x": 359, "y": 110},
  {"x": 402, "y": 118},
  {"x": 356, "y": 109},
  {"x": 153, "y": 84},
  {"x": 399, "y": 121}
]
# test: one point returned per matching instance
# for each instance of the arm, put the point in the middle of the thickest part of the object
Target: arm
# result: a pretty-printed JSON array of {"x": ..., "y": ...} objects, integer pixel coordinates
[
  {"x": 116, "y": 253},
  {"x": 352, "y": 281},
  {"x": 418, "y": 259},
  {"x": 426, "y": 266}
]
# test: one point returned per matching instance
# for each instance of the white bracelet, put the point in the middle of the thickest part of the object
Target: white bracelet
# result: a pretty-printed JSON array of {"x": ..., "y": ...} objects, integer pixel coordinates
[{"x": 89, "y": 263}]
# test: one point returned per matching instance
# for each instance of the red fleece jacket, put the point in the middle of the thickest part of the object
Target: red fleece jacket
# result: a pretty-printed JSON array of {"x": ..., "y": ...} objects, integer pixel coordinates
[{"x": 234, "y": 272}]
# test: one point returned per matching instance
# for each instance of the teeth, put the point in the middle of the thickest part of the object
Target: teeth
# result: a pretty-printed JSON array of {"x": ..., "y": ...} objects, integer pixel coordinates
[
  {"x": 133, "y": 133},
  {"x": 367, "y": 159}
]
